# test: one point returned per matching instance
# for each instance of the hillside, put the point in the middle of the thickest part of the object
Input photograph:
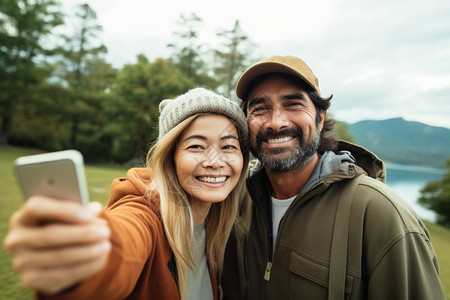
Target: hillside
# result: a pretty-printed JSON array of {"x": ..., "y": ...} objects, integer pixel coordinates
[{"x": 404, "y": 142}]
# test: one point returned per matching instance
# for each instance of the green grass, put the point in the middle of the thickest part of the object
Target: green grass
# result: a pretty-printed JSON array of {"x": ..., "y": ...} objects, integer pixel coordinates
[
  {"x": 99, "y": 178},
  {"x": 440, "y": 237}
]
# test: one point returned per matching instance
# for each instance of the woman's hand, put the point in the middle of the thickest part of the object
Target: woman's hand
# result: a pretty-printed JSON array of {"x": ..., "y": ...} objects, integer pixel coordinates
[{"x": 56, "y": 244}]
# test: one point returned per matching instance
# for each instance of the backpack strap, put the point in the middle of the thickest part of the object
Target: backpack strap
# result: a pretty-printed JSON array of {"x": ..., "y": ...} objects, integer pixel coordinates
[{"x": 338, "y": 259}]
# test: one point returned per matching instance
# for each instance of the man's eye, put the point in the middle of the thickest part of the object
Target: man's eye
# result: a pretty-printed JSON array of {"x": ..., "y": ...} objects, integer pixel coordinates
[{"x": 258, "y": 109}]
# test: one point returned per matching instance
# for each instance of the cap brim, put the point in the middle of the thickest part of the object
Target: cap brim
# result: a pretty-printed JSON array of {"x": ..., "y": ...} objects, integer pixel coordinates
[{"x": 264, "y": 68}]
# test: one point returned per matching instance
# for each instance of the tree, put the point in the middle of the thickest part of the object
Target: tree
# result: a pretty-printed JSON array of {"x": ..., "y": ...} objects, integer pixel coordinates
[
  {"x": 436, "y": 197},
  {"x": 340, "y": 131},
  {"x": 24, "y": 25},
  {"x": 36, "y": 122},
  {"x": 188, "y": 55},
  {"x": 94, "y": 140},
  {"x": 135, "y": 107},
  {"x": 79, "y": 51},
  {"x": 233, "y": 59}
]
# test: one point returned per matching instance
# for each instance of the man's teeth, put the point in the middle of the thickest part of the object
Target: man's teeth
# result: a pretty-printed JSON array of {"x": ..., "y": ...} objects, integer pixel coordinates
[
  {"x": 280, "y": 140},
  {"x": 212, "y": 179}
]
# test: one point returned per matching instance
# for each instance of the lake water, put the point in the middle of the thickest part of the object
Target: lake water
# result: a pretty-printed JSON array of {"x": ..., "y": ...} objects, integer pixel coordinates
[{"x": 407, "y": 181}]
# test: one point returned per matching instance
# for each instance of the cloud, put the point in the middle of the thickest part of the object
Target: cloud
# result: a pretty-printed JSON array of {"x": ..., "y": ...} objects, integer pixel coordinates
[{"x": 387, "y": 59}]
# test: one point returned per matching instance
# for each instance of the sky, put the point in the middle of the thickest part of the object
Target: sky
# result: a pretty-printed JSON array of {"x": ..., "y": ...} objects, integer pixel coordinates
[{"x": 378, "y": 58}]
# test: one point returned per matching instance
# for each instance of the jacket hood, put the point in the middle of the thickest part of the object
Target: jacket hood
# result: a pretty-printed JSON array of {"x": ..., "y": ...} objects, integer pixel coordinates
[{"x": 367, "y": 160}]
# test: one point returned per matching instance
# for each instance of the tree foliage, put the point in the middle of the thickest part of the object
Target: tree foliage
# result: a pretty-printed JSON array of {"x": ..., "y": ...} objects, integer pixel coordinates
[
  {"x": 188, "y": 54},
  {"x": 93, "y": 140},
  {"x": 340, "y": 131},
  {"x": 24, "y": 26},
  {"x": 135, "y": 108},
  {"x": 436, "y": 197},
  {"x": 233, "y": 57},
  {"x": 79, "y": 53}
]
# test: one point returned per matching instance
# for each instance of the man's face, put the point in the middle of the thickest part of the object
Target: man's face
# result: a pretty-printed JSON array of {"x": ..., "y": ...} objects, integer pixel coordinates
[{"x": 284, "y": 135}]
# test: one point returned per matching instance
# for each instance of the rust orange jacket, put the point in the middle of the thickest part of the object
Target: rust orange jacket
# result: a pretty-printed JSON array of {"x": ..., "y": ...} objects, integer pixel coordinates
[{"x": 140, "y": 265}]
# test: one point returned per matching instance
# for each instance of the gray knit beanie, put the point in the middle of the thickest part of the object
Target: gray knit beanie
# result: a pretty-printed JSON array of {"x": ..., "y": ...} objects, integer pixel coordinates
[{"x": 200, "y": 100}]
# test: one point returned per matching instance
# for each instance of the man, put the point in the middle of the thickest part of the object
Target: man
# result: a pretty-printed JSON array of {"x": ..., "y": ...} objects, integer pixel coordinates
[{"x": 318, "y": 222}]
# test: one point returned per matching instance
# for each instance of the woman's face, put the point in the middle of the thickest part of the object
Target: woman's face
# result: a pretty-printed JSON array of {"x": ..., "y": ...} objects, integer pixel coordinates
[{"x": 208, "y": 158}]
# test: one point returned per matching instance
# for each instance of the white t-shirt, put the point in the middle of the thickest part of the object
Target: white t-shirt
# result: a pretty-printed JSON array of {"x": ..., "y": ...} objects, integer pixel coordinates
[
  {"x": 199, "y": 286},
  {"x": 279, "y": 208}
]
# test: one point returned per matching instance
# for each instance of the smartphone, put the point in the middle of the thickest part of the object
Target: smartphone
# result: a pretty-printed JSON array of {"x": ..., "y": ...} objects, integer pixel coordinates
[{"x": 56, "y": 174}]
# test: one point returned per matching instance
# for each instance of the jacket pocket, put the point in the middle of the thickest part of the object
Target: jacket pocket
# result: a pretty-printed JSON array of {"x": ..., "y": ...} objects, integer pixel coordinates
[{"x": 306, "y": 271}]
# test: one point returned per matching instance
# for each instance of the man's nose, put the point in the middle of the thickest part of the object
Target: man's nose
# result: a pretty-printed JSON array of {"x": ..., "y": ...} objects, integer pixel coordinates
[{"x": 276, "y": 120}]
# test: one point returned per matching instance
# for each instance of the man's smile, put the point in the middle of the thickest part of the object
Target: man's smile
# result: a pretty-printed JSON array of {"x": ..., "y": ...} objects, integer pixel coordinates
[{"x": 279, "y": 140}]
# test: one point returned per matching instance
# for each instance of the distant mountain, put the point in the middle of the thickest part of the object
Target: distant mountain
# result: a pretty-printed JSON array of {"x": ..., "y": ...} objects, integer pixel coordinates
[{"x": 404, "y": 142}]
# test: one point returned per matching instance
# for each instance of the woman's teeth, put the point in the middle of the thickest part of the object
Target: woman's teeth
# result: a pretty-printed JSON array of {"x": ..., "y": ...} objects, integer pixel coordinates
[{"x": 212, "y": 179}]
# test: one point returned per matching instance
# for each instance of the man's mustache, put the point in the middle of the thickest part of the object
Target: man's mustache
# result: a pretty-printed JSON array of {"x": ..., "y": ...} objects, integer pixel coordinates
[{"x": 265, "y": 134}]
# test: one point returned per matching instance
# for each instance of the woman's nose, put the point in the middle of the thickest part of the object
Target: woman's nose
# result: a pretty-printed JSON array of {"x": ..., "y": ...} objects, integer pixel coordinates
[{"x": 213, "y": 158}]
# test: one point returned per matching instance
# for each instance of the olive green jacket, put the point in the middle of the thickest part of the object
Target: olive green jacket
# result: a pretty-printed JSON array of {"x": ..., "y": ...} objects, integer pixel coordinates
[{"x": 388, "y": 253}]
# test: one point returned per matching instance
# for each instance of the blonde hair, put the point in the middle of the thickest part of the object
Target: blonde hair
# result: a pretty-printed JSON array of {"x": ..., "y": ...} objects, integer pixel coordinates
[{"x": 176, "y": 211}]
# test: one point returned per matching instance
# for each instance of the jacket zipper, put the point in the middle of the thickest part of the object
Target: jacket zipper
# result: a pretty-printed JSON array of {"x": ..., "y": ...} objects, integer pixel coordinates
[
  {"x": 267, "y": 272},
  {"x": 268, "y": 235}
]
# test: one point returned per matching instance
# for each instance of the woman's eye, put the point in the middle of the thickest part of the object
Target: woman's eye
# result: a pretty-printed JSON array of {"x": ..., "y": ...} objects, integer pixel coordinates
[{"x": 195, "y": 147}]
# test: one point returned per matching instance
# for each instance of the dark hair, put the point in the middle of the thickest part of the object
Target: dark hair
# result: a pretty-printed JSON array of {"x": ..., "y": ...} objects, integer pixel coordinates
[{"x": 327, "y": 141}]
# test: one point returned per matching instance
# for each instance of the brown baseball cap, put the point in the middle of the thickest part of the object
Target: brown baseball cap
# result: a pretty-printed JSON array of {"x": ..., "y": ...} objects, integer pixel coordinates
[{"x": 277, "y": 64}]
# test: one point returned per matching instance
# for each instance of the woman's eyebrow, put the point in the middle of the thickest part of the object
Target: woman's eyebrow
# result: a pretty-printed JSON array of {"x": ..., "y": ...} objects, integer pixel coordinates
[
  {"x": 194, "y": 136},
  {"x": 201, "y": 137},
  {"x": 230, "y": 136}
]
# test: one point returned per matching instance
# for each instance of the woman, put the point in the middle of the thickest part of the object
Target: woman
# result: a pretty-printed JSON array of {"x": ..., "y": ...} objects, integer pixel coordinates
[{"x": 164, "y": 230}]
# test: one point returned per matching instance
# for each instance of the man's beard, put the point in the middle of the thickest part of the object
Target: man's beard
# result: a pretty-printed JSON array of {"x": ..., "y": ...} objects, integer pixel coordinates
[{"x": 293, "y": 158}]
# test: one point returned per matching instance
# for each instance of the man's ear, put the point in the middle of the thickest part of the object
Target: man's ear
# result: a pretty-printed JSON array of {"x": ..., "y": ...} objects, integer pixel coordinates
[{"x": 323, "y": 115}]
